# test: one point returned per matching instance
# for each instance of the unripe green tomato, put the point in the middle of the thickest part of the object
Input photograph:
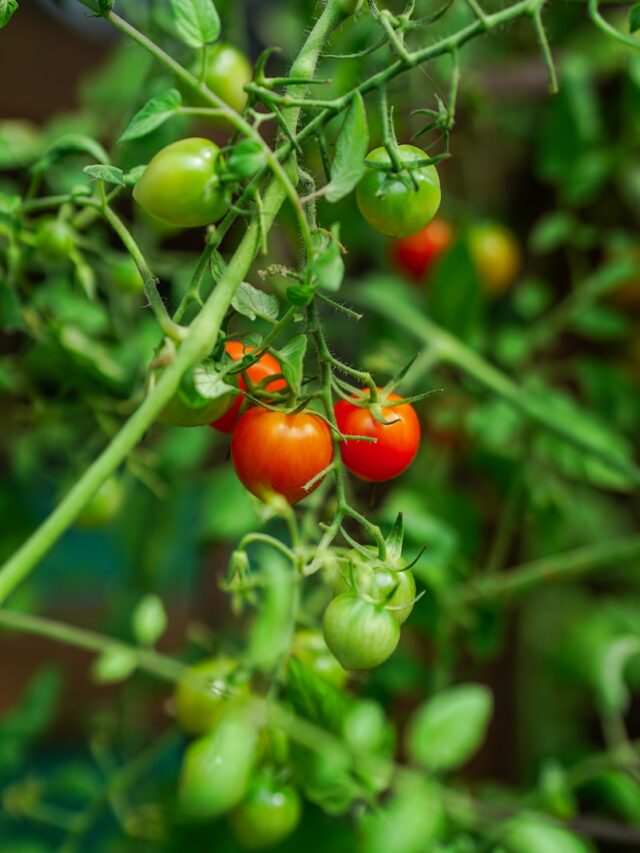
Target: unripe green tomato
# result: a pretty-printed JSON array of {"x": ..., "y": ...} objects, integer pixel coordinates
[
  {"x": 103, "y": 506},
  {"x": 55, "y": 239},
  {"x": 189, "y": 408},
  {"x": 269, "y": 813},
  {"x": 310, "y": 648},
  {"x": 389, "y": 586},
  {"x": 181, "y": 184},
  {"x": 217, "y": 767},
  {"x": 360, "y": 634},
  {"x": 227, "y": 71},
  {"x": 126, "y": 275},
  {"x": 390, "y": 202},
  {"x": 203, "y": 694}
]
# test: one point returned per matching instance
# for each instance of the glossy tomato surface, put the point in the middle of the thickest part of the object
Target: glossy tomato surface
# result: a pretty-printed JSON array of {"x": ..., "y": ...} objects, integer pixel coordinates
[
  {"x": 227, "y": 71},
  {"x": 265, "y": 367},
  {"x": 181, "y": 186},
  {"x": 360, "y": 634},
  {"x": 273, "y": 452},
  {"x": 269, "y": 813},
  {"x": 396, "y": 443},
  {"x": 416, "y": 254},
  {"x": 390, "y": 201}
]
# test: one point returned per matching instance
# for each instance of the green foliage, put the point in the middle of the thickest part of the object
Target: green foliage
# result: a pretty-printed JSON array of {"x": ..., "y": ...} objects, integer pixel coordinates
[{"x": 450, "y": 727}]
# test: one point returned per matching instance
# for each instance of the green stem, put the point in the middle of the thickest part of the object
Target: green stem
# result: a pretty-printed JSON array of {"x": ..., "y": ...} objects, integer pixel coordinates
[
  {"x": 201, "y": 337},
  {"x": 159, "y": 665},
  {"x": 559, "y": 568},
  {"x": 451, "y": 350}
]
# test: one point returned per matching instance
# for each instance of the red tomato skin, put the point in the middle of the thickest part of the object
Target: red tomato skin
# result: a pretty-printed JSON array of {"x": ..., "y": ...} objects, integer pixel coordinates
[
  {"x": 396, "y": 445},
  {"x": 266, "y": 366},
  {"x": 416, "y": 255},
  {"x": 275, "y": 452}
]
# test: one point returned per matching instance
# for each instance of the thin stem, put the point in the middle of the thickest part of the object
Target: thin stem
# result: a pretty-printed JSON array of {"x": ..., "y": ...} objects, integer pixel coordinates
[
  {"x": 559, "y": 568},
  {"x": 201, "y": 336},
  {"x": 453, "y": 351}
]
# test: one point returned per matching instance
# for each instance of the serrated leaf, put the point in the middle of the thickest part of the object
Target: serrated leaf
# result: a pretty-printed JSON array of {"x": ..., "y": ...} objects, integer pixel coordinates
[
  {"x": 291, "y": 359},
  {"x": 154, "y": 113},
  {"x": 72, "y": 143},
  {"x": 7, "y": 8},
  {"x": 108, "y": 174},
  {"x": 254, "y": 303},
  {"x": 351, "y": 149},
  {"x": 327, "y": 265},
  {"x": 149, "y": 620},
  {"x": 197, "y": 22},
  {"x": 634, "y": 18},
  {"x": 114, "y": 664},
  {"x": 446, "y": 730},
  {"x": 208, "y": 382}
]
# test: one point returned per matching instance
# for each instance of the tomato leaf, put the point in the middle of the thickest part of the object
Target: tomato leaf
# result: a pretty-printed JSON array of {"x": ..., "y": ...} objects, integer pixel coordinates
[
  {"x": 108, "y": 174},
  {"x": 456, "y": 308},
  {"x": 154, "y": 113},
  {"x": 531, "y": 834},
  {"x": 634, "y": 18},
  {"x": 9, "y": 203},
  {"x": 20, "y": 144},
  {"x": 254, "y": 303},
  {"x": 206, "y": 382},
  {"x": 196, "y": 21},
  {"x": 291, "y": 359},
  {"x": 327, "y": 265},
  {"x": 408, "y": 822},
  {"x": 149, "y": 620},
  {"x": 7, "y": 8},
  {"x": 71, "y": 143},
  {"x": 447, "y": 729},
  {"x": 114, "y": 664},
  {"x": 351, "y": 149}
]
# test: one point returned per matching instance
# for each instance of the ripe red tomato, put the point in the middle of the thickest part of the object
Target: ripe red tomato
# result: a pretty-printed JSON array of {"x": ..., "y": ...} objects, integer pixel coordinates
[
  {"x": 273, "y": 452},
  {"x": 415, "y": 255},
  {"x": 266, "y": 366},
  {"x": 396, "y": 443}
]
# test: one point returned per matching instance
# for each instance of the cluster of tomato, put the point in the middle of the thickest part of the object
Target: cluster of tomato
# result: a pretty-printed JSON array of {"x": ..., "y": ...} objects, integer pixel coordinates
[{"x": 274, "y": 452}]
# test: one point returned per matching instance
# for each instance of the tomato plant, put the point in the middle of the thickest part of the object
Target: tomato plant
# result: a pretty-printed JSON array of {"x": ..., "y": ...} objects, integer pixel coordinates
[
  {"x": 256, "y": 375},
  {"x": 276, "y": 453},
  {"x": 181, "y": 185},
  {"x": 218, "y": 226},
  {"x": 396, "y": 435}
]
